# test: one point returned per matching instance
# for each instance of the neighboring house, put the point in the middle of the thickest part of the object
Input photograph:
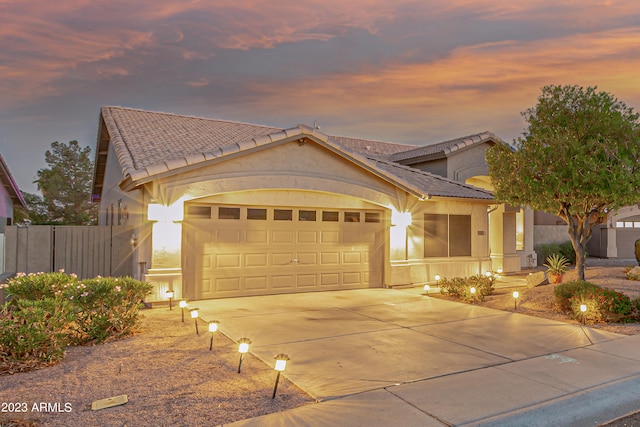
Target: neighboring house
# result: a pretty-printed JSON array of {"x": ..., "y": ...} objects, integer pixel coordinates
[
  {"x": 222, "y": 209},
  {"x": 10, "y": 197}
]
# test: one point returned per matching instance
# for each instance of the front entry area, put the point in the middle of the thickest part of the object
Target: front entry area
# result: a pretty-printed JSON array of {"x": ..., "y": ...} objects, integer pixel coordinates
[{"x": 240, "y": 250}]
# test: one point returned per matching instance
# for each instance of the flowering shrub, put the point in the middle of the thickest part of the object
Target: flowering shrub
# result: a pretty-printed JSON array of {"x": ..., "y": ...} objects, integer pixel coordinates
[
  {"x": 603, "y": 304},
  {"x": 32, "y": 333},
  {"x": 460, "y": 287},
  {"x": 92, "y": 310}
]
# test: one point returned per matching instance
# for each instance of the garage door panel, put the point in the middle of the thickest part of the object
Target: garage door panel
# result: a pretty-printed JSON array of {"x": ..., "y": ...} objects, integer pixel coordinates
[
  {"x": 330, "y": 237},
  {"x": 307, "y": 237},
  {"x": 352, "y": 257},
  {"x": 330, "y": 258},
  {"x": 226, "y": 285},
  {"x": 260, "y": 283},
  {"x": 282, "y": 237},
  {"x": 307, "y": 281},
  {"x": 228, "y": 236},
  {"x": 257, "y": 236},
  {"x": 329, "y": 279},
  {"x": 352, "y": 278},
  {"x": 256, "y": 260},
  {"x": 227, "y": 260},
  {"x": 283, "y": 282},
  {"x": 308, "y": 258},
  {"x": 280, "y": 259}
]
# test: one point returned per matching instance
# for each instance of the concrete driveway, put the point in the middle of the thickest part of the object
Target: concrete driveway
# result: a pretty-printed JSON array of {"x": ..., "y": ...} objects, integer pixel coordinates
[{"x": 396, "y": 357}]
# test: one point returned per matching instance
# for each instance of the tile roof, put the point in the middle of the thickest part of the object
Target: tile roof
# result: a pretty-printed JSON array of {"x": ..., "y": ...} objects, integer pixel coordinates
[
  {"x": 444, "y": 148},
  {"x": 149, "y": 144}
]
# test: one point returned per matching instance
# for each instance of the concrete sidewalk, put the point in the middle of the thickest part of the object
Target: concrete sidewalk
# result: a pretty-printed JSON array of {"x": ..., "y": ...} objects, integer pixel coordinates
[{"x": 395, "y": 357}]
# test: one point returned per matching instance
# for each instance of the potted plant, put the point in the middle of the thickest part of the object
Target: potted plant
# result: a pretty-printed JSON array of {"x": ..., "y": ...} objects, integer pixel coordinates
[{"x": 556, "y": 267}]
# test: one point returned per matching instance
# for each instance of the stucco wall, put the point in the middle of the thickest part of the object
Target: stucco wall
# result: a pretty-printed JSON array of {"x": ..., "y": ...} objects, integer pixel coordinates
[
  {"x": 467, "y": 163},
  {"x": 6, "y": 207}
]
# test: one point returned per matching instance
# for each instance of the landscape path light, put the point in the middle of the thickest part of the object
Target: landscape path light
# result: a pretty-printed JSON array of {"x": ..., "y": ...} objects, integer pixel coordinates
[
  {"x": 213, "y": 328},
  {"x": 516, "y": 294},
  {"x": 243, "y": 348},
  {"x": 281, "y": 364},
  {"x": 169, "y": 294},
  {"x": 183, "y": 305},
  {"x": 473, "y": 292},
  {"x": 583, "y": 310},
  {"x": 426, "y": 289},
  {"x": 194, "y": 316},
  {"x": 437, "y": 277}
]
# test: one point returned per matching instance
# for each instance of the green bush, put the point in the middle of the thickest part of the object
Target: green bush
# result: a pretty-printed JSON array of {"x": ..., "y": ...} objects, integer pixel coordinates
[
  {"x": 563, "y": 293},
  {"x": 564, "y": 249},
  {"x": 32, "y": 333},
  {"x": 48, "y": 310},
  {"x": 105, "y": 308},
  {"x": 460, "y": 287},
  {"x": 603, "y": 305}
]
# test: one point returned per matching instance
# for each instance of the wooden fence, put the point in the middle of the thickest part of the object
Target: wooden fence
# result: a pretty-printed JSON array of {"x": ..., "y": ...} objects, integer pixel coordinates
[{"x": 87, "y": 251}]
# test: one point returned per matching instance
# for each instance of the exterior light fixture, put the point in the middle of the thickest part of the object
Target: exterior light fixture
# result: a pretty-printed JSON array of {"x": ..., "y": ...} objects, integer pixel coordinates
[
  {"x": 499, "y": 270},
  {"x": 400, "y": 219},
  {"x": 516, "y": 294},
  {"x": 213, "y": 328},
  {"x": 473, "y": 292},
  {"x": 243, "y": 348},
  {"x": 281, "y": 364},
  {"x": 427, "y": 288},
  {"x": 194, "y": 316},
  {"x": 488, "y": 274},
  {"x": 169, "y": 294},
  {"x": 183, "y": 305},
  {"x": 437, "y": 277},
  {"x": 583, "y": 310}
]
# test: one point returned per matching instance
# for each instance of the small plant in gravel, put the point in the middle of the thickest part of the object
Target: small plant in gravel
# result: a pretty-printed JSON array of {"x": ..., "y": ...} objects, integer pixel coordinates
[{"x": 460, "y": 287}]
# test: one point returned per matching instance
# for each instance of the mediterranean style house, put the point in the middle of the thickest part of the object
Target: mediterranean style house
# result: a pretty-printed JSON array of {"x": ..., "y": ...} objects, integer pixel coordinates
[{"x": 222, "y": 209}]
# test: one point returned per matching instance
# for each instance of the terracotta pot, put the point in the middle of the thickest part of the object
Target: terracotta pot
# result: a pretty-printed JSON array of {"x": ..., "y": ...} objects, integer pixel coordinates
[{"x": 554, "y": 278}]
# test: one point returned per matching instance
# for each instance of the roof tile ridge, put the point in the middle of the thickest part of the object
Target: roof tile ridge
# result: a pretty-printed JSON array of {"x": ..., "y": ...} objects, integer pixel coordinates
[{"x": 122, "y": 151}]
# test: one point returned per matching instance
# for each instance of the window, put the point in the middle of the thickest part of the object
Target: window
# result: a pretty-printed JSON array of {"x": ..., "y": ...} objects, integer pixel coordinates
[
  {"x": 306, "y": 215},
  {"x": 330, "y": 216},
  {"x": 199, "y": 212},
  {"x": 256, "y": 213},
  {"x": 352, "y": 217},
  {"x": 228, "y": 213},
  {"x": 447, "y": 235},
  {"x": 283, "y": 214},
  {"x": 372, "y": 217}
]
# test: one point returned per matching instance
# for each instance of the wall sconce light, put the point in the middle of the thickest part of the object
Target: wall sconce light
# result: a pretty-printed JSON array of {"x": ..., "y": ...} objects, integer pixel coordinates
[
  {"x": 194, "y": 315},
  {"x": 583, "y": 310},
  {"x": 183, "y": 305},
  {"x": 516, "y": 294},
  {"x": 400, "y": 219},
  {"x": 169, "y": 294},
  {"x": 243, "y": 348},
  {"x": 281, "y": 364},
  {"x": 213, "y": 328}
]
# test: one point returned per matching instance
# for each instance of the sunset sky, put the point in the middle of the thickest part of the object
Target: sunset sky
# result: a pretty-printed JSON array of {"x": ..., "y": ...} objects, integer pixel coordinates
[{"x": 411, "y": 71}]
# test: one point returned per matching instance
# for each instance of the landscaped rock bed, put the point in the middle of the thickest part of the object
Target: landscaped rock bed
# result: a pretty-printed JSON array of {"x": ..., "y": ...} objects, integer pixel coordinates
[{"x": 168, "y": 373}]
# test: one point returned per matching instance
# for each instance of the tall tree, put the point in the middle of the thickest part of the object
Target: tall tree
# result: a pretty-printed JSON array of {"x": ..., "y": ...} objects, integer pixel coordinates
[
  {"x": 579, "y": 158},
  {"x": 66, "y": 184}
]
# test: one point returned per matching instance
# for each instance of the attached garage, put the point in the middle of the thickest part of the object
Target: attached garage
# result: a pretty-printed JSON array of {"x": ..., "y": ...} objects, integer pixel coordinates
[{"x": 235, "y": 250}]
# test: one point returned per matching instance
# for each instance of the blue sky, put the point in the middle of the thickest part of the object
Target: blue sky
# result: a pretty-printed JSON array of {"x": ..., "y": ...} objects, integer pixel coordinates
[{"x": 410, "y": 71}]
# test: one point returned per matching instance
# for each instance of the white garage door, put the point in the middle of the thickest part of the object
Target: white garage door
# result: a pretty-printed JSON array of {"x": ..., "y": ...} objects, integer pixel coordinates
[{"x": 254, "y": 250}]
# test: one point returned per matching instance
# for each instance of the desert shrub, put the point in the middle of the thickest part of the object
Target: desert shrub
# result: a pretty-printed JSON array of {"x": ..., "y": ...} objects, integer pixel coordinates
[
  {"x": 460, "y": 287},
  {"x": 635, "y": 308},
  {"x": 567, "y": 251},
  {"x": 545, "y": 250},
  {"x": 32, "y": 333},
  {"x": 35, "y": 286},
  {"x": 563, "y": 293},
  {"x": 105, "y": 308},
  {"x": 603, "y": 305}
]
